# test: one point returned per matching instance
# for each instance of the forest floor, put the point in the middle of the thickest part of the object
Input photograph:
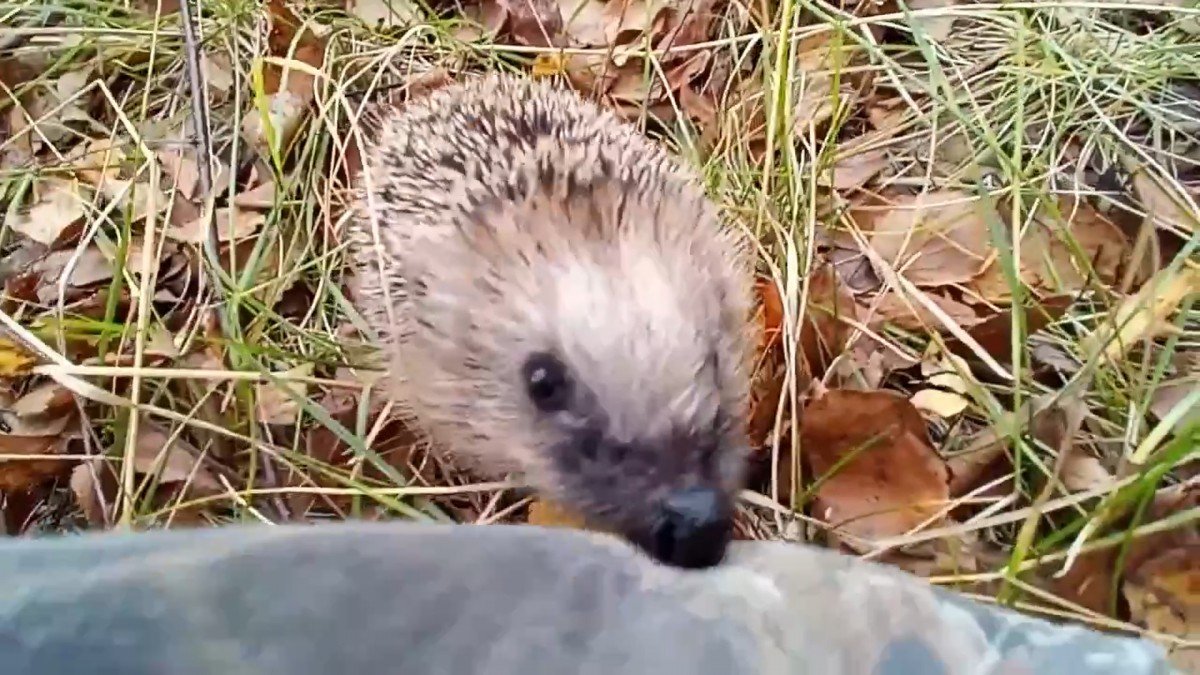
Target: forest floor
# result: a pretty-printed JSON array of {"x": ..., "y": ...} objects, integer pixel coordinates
[{"x": 980, "y": 354}]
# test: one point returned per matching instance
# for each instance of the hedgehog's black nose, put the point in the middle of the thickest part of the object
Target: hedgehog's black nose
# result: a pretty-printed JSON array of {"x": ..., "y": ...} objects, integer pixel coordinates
[{"x": 693, "y": 529}]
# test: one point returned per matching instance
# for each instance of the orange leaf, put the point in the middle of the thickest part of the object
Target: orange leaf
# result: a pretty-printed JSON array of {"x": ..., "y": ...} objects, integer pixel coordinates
[{"x": 893, "y": 482}]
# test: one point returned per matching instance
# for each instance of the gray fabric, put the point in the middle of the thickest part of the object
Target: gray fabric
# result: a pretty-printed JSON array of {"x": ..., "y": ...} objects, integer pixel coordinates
[{"x": 407, "y": 598}]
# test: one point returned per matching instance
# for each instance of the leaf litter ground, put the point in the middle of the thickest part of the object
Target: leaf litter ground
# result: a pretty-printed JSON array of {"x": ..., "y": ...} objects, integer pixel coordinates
[{"x": 979, "y": 348}]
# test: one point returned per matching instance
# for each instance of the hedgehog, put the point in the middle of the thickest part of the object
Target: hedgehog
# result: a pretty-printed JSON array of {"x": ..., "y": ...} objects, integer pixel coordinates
[{"x": 556, "y": 297}]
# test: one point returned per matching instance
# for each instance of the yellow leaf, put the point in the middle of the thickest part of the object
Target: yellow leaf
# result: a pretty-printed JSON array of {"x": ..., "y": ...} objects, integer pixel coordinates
[
  {"x": 548, "y": 65},
  {"x": 548, "y": 514},
  {"x": 1143, "y": 314},
  {"x": 14, "y": 360}
]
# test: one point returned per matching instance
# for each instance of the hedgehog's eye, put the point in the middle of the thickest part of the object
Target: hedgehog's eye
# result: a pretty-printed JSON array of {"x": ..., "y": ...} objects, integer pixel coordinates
[{"x": 546, "y": 382}]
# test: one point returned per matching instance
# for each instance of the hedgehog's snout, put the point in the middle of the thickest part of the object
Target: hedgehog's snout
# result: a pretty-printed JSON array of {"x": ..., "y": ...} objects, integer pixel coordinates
[{"x": 692, "y": 529}]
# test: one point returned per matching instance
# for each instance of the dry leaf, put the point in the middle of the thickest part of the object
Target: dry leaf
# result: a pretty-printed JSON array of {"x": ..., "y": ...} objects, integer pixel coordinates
[
  {"x": 85, "y": 479},
  {"x": 54, "y": 107},
  {"x": 233, "y": 224},
  {"x": 1082, "y": 472},
  {"x": 61, "y": 205},
  {"x": 1164, "y": 596},
  {"x": 946, "y": 397},
  {"x": 935, "y": 27},
  {"x": 534, "y": 23},
  {"x": 286, "y": 40},
  {"x": 767, "y": 379},
  {"x": 814, "y": 98},
  {"x": 586, "y": 22},
  {"x": 895, "y": 481},
  {"x": 15, "y": 361},
  {"x": 275, "y": 404},
  {"x": 994, "y": 334},
  {"x": 1089, "y": 581},
  {"x": 47, "y": 398},
  {"x": 134, "y": 198},
  {"x": 934, "y": 239},
  {"x": 217, "y": 72},
  {"x": 1163, "y": 208},
  {"x": 260, "y": 197},
  {"x": 850, "y": 172},
  {"x": 549, "y": 514},
  {"x": 183, "y": 170},
  {"x": 34, "y": 428},
  {"x": 101, "y": 161},
  {"x": 828, "y": 321},
  {"x": 892, "y": 308},
  {"x": 1048, "y": 259},
  {"x": 1143, "y": 315},
  {"x": 18, "y": 148},
  {"x": 1170, "y": 394},
  {"x": 172, "y": 459},
  {"x": 25, "y": 474}
]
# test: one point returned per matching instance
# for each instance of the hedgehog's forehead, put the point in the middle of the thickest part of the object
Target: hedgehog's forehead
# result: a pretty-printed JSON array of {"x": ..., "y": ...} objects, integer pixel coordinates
[{"x": 639, "y": 338}]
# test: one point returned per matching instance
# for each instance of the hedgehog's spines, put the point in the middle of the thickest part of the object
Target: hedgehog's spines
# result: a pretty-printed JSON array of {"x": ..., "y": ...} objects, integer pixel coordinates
[{"x": 504, "y": 216}]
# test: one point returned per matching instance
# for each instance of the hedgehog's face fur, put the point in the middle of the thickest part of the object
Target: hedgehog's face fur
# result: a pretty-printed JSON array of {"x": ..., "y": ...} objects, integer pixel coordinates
[
  {"x": 609, "y": 370},
  {"x": 569, "y": 309}
]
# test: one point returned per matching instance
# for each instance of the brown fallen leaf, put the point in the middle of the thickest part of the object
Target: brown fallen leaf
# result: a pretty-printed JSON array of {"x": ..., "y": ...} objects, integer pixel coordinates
[
  {"x": 545, "y": 513},
  {"x": 57, "y": 110},
  {"x": 534, "y": 23},
  {"x": 31, "y": 426},
  {"x": 1050, "y": 263},
  {"x": 258, "y": 197},
  {"x": 134, "y": 198},
  {"x": 933, "y": 239},
  {"x": 895, "y": 480},
  {"x": 1171, "y": 393},
  {"x": 827, "y": 323},
  {"x": 171, "y": 458},
  {"x": 586, "y": 23},
  {"x": 1082, "y": 472},
  {"x": 1164, "y": 207},
  {"x": 18, "y": 147},
  {"x": 88, "y": 485},
  {"x": 182, "y": 168},
  {"x": 275, "y": 404},
  {"x": 818, "y": 94},
  {"x": 893, "y": 308},
  {"x": 232, "y": 224},
  {"x": 994, "y": 334},
  {"x": 61, "y": 204},
  {"x": 217, "y": 71},
  {"x": 1090, "y": 580},
  {"x": 853, "y": 171},
  {"x": 1164, "y": 595},
  {"x": 101, "y": 160},
  {"x": 290, "y": 37},
  {"x": 687, "y": 23},
  {"x": 767, "y": 379}
]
